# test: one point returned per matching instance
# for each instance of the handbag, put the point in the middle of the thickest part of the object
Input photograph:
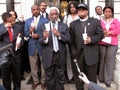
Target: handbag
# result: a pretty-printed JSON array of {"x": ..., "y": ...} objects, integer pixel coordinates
[
  {"x": 4, "y": 56},
  {"x": 5, "y": 52}
]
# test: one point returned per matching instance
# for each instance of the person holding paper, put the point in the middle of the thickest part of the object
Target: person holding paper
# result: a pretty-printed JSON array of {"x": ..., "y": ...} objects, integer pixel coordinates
[
  {"x": 32, "y": 27},
  {"x": 108, "y": 45},
  {"x": 85, "y": 34},
  {"x": 54, "y": 36},
  {"x": 11, "y": 69}
]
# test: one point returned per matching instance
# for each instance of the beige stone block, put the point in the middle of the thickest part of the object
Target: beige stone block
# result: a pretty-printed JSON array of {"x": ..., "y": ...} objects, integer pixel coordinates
[{"x": 116, "y": 77}]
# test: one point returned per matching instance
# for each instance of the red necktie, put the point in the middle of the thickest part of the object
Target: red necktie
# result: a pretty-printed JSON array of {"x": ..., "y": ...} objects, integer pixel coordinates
[{"x": 10, "y": 34}]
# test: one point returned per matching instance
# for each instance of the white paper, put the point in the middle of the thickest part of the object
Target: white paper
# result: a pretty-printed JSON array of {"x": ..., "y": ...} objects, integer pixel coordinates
[
  {"x": 32, "y": 24},
  {"x": 84, "y": 36},
  {"x": 18, "y": 41},
  {"x": 47, "y": 27},
  {"x": 107, "y": 40}
]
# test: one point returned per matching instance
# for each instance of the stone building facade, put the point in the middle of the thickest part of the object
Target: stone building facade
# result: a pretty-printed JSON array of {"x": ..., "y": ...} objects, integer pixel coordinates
[{"x": 23, "y": 7}]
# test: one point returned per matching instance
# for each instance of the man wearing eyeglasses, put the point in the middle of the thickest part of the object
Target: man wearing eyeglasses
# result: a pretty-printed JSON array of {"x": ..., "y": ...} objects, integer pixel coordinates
[{"x": 53, "y": 37}]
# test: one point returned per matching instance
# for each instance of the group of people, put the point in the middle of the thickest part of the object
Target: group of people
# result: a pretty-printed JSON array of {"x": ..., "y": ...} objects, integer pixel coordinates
[{"x": 57, "y": 46}]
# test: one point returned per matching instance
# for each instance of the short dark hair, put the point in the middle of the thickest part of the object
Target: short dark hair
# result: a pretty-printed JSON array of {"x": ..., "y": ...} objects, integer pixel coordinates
[
  {"x": 16, "y": 16},
  {"x": 98, "y": 6},
  {"x": 108, "y": 7},
  {"x": 5, "y": 16},
  {"x": 41, "y": 2}
]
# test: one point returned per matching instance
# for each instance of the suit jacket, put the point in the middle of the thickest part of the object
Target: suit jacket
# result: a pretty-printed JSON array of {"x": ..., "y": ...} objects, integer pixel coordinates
[
  {"x": 93, "y": 86},
  {"x": 33, "y": 43},
  {"x": 4, "y": 37},
  {"x": 47, "y": 48},
  {"x": 94, "y": 31},
  {"x": 45, "y": 15}
]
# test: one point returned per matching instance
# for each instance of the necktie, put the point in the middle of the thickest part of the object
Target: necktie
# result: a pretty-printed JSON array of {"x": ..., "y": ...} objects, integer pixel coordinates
[
  {"x": 35, "y": 22},
  {"x": 55, "y": 40},
  {"x": 10, "y": 34},
  {"x": 42, "y": 15}
]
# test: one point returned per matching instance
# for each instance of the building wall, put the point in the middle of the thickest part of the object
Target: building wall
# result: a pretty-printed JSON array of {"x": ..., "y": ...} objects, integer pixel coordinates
[
  {"x": 23, "y": 7},
  {"x": 116, "y": 9},
  {"x": 93, "y": 4},
  {"x": 2, "y": 7}
]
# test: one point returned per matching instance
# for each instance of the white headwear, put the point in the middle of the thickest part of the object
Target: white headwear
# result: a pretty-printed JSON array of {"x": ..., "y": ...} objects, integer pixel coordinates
[{"x": 53, "y": 8}]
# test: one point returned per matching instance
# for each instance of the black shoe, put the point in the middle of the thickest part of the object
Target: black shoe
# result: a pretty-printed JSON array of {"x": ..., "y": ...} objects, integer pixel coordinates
[
  {"x": 22, "y": 78},
  {"x": 101, "y": 81},
  {"x": 107, "y": 85},
  {"x": 34, "y": 86}
]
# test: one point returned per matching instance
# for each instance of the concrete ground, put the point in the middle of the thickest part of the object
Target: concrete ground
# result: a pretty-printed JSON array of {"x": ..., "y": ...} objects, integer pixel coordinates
[{"x": 25, "y": 86}]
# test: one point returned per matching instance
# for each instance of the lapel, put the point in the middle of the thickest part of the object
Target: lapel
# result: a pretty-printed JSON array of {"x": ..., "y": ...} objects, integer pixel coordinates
[
  {"x": 59, "y": 26},
  {"x": 79, "y": 26},
  {"x": 88, "y": 25},
  {"x": 14, "y": 32}
]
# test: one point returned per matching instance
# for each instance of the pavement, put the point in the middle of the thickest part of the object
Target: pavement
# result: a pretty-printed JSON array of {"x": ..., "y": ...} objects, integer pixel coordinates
[{"x": 25, "y": 86}]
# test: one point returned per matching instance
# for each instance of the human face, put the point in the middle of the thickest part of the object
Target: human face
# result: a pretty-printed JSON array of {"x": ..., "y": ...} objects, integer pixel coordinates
[
  {"x": 54, "y": 15},
  {"x": 35, "y": 10},
  {"x": 82, "y": 13},
  {"x": 10, "y": 21},
  {"x": 73, "y": 9},
  {"x": 107, "y": 13},
  {"x": 98, "y": 10},
  {"x": 43, "y": 7}
]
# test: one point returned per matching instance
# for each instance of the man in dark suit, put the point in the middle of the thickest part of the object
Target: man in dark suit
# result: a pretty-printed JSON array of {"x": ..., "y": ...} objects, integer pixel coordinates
[
  {"x": 43, "y": 7},
  {"x": 9, "y": 32},
  {"x": 85, "y": 33},
  {"x": 32, "y": 26},
  {"x": 53, "y": 37}
]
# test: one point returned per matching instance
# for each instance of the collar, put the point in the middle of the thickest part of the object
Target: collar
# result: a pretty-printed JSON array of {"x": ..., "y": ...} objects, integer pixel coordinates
[
  {"x": 84, "y": 19},
  {"x": 36, "y": 17}
]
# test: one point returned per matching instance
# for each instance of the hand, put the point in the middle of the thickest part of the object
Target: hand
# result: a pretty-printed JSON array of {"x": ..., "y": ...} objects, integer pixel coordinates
[
  {"x": 35, "y": 36},
  {"x": 106, "y": 33},
  {"x": 18, "y": 45},
  {"x": 7, "y": 24},
  {"x": 46, "y": 34},
  {"x": 32, "y": 29},
  {"x": 84, "y": 78},
  {"x": 56, "y": 32},
  {"x": 88, "y": 40}
]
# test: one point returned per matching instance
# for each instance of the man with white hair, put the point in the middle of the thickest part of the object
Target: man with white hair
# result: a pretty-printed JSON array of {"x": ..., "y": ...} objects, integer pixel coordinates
[{"x": 53, "y": 37}]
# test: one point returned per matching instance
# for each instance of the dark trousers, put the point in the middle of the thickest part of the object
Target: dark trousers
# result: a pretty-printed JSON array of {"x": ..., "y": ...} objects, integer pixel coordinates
[
  {"x": 25, "y": 64},
  {"x": 89, "y": 70},
  {"x": 55, "y": 74},
  {"x": 11, "y": 71},
  {"x": 107, "y": 62}
]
